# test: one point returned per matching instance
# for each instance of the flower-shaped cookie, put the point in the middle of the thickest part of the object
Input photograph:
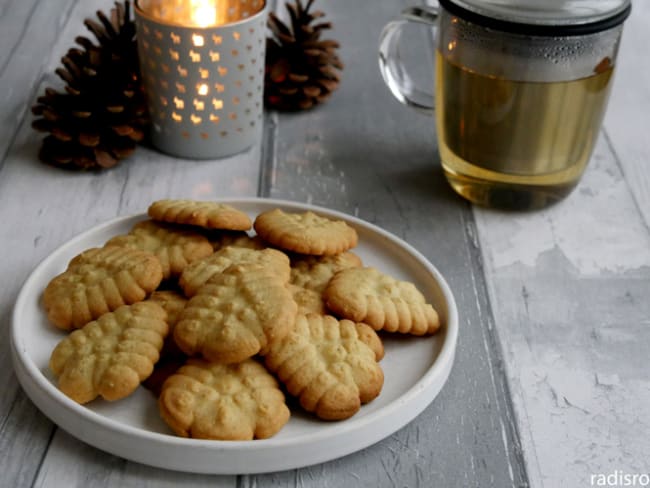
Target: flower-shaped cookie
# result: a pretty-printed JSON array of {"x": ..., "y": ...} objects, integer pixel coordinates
[
  {"x": 381, "y": 301},
  {"x": 235, "y": 314},
  {"x": 97, "y": 281},
  {"x": 175, "y": 248},
  {"x": 330, "y": 365},
  {"x": 201, "y": 271},
  {"x": 110, "y": 356},
  {"x": 305, "y": 233},
  {"x": 207, "y": 400},
  {"x": 315, "y": 272},
  {"x": 209, "y": 215}
]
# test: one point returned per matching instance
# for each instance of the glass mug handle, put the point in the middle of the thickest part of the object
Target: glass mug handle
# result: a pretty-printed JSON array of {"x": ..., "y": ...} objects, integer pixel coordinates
[{"x": 390, "y": 64}]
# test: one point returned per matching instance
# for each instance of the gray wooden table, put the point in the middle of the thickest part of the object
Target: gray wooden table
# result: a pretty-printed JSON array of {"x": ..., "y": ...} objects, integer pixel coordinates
[{"x": 551, "y": 384}]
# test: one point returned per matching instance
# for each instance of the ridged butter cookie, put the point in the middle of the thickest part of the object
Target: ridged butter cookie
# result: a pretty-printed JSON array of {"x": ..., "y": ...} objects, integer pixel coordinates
[
  {"x": 308, "y": 301},
  {"x": 236, "y": 314},
  {"x": 305, "y": 233},
  {"x": 98, "y": 281},
  {"x": 315, "y": 272},
  {"x": 223, "y": 238},
  {"x": 381, "y": 301},
  {"x": 175, "y": 248},
  {"x": 202, "y": 270},
  {"x": 110, "y": 356},
  {"x": 329, "y": 365},
  {"x": 206, "y": 400},
  {"x": 206, "y": 214}
]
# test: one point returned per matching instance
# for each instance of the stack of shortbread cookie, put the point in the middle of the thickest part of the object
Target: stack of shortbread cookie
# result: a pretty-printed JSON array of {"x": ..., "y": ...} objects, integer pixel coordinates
[{"x": 219, "y": 321}]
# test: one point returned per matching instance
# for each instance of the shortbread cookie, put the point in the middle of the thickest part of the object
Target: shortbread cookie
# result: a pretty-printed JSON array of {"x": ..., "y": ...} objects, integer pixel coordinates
[
  {"x": 223, "y": 238},
  {"x": 308, "y": 301},
  {"x": 171, "y": 356},
  {"x": 209, "y": 215},
  {"x": 98, "y": 281},
  {"x": 224, "y": 402},
  {"x": 173, "y": 303},
  {"x": 315, "y": 272},
  {"x": 174, "y": 247},
  {"x": 201, "y": 271},
  {"x": 110, "y": 356},
  {"x": 305, "y": 233},
  {"x": 236, "y": 314},
  {"x": 327, "y": 365},
  {"x": 381, "y": 301}
]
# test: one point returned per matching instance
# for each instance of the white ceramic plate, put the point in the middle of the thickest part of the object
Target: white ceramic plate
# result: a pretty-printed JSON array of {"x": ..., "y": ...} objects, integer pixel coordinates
[{"x": 415, "y": 370}]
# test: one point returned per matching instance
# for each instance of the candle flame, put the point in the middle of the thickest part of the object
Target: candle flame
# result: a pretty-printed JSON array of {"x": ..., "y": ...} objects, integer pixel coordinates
[{"x": 203, "y": 13}]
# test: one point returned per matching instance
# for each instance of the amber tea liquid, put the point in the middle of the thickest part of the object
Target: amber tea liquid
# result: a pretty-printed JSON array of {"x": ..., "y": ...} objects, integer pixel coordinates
[{"x": 514, "y": 144}]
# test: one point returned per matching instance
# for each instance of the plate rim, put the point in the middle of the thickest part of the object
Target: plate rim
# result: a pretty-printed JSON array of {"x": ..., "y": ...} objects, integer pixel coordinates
[{"x": 433, "y": 379}]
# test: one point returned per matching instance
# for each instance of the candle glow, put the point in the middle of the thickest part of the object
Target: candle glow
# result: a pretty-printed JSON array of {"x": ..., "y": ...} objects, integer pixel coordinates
[{"x": 203, "y": 13}]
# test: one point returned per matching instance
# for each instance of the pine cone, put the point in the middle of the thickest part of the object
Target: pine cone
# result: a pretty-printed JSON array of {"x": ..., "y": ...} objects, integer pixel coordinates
[
  {"x": 301, "y": 70},
  {"x": 102, "y": 114}
]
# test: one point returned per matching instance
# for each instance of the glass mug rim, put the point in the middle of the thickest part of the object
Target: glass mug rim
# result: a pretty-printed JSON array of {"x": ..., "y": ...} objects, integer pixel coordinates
[{"x": 550, "y": 28}]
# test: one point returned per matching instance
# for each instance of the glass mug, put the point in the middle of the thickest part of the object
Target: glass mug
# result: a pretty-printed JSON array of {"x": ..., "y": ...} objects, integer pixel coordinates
[{"x": 521, "y": 87}]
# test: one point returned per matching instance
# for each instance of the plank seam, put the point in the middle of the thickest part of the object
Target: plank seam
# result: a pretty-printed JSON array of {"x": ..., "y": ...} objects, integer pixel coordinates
[
  {"x": 268, "y": 157},
  {"x": 511, "y": 438},
  {"x": 617, "y": 159}
]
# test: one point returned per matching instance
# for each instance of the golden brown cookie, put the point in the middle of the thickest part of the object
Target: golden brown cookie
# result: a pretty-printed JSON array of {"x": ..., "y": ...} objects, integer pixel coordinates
[
  {"x": 305, "y": 233},
  {"x": 174, "y": 247},
  {"x": 327, "y": 365},
  {"x": 110, "y": 356},
  {"x": 308, "y": 301},
  {"x": 209, "y": 215},
  {"x": 173, "y": 303},
  {"x": 223, "y": 238},
  {"x": 201, "y": 271},
  {"x": 381, "y": 301},
  {"x": 225, "y": 402},
  {"x": 235, "y": 314},
  {"x": 315, "y": 272},
  {"x": 98, "y": 281}
]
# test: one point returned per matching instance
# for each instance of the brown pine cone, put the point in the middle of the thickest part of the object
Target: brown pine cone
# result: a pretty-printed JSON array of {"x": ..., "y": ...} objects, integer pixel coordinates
[
  {"x": 301, "y": 69},
  {"x": 102, "y": 114}
]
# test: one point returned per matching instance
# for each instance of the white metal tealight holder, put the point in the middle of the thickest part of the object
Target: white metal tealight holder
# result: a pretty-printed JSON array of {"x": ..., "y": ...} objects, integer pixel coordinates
[{"x": 202, "y": 66}]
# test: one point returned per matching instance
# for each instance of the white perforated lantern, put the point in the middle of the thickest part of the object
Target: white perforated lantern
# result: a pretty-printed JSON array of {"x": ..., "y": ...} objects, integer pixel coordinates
[{"x": 202, "y": 64}]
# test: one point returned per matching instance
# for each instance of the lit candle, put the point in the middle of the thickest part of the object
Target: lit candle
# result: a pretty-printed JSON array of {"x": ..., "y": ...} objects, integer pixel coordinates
[{"x": 203, "y": 73}]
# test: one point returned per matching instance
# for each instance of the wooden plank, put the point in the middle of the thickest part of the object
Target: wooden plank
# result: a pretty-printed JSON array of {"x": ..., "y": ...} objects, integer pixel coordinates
[
  {"x": 72, "y": 463},
  {"x": 626, "y": 124},
  {"x": 68, "y": 203},
  {"x": 365, "y": 154},
  {"x": 569, "y": 286},
  {"x": 27, "y": 31}
]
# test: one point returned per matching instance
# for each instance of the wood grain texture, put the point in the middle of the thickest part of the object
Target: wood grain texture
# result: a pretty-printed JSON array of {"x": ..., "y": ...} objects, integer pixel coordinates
[
  {"x": 365, "y": 154},
  {"x": 569, "y": 287},
  {"x": 50, "y": 206},
  {"x": 27, "y": 32}
]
